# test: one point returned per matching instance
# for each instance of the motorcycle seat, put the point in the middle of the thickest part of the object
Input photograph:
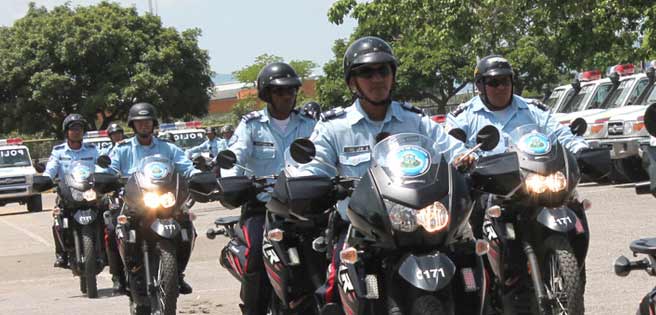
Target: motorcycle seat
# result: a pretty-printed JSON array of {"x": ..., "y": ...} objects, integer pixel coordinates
[
  {"x": 225, "y": 221},
  {"x": 644, "y": 246}
]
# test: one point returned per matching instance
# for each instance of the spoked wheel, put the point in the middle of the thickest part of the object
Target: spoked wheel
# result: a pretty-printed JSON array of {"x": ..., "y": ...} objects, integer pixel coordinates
[{"x": 561, "y": 277}]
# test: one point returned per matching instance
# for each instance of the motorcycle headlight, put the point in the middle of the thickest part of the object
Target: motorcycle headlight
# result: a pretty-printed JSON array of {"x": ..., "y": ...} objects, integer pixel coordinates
[
  {"x": 167, "y": 200},
  {"x": 89, "y": 195},
  {"x": 151, "y": 200},
  {"x": 538, "y": 184},
  {"x": 433, "y": 218}
]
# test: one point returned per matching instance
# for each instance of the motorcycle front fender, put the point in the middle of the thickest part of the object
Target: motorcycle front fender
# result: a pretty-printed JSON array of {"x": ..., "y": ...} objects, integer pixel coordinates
[
  {"x": 430, "y": 272},
  {"x": 561, "y": 219},
  {"x": 85, "y": 217},
  {"x": 166, "y": 228}
]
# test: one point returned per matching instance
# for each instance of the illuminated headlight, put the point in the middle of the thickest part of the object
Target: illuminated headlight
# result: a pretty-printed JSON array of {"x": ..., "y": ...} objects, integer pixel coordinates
[
  {"x": 167, "y": 200},
  {"x": 433, "y": 218},
  {"x": 154, "y": 200},
  {"x": 89, "y": 195},
  {"x": 538, "y": 184}
]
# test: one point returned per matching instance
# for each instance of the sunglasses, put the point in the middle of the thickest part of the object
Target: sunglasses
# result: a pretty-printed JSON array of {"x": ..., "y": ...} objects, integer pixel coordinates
[
  {"x": 496, "y": 82},
  {"x": 369, "y": 72},
  {"x": 283, "y": 90}
]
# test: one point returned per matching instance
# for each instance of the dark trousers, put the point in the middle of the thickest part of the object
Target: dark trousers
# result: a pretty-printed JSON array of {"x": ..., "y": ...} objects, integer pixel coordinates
[{"x": 255, "y": 287}]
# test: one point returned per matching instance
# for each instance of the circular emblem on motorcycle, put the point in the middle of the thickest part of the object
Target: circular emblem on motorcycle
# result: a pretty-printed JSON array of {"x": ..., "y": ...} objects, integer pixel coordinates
[
  {"x": 535, "y": 143},
  {"x": 81, "y": 173},
  {"x": 412, "y": 161},
  {"x": 157, "y": 170}
]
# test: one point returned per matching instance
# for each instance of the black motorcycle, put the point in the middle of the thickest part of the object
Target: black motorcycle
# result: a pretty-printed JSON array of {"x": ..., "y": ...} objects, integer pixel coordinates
[
  {"x": 646, "y": 246},
  {"x": 155, "y": 233},
  {"x": 532, "y": 210},
  {"x": 80, "y": 229},
  {"x": 405, "y": 251}
]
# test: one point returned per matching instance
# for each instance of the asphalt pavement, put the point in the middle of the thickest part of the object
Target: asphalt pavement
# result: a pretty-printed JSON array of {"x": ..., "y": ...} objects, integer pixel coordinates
[{"x": 30, "y": 285}]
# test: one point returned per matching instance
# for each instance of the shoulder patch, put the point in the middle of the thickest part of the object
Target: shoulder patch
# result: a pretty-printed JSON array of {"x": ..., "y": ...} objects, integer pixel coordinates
[
  {"x": 538, "y": 104},
  {"x": 250, "y": 116},
  {"x": 412, "y": 108},
  {"x": 461, "y": 108},
  {"x": 333, "y": 113},
  {"x": 58, "y": 147}
]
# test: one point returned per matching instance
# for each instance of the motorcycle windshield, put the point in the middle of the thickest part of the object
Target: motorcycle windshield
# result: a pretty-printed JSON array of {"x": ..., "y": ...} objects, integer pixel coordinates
[
  {"x": 80, "y": 174},
  {"x": 154, "y": 172},
  {"x": 531, "y": 140},
  {"x": 406, "y": 157}
]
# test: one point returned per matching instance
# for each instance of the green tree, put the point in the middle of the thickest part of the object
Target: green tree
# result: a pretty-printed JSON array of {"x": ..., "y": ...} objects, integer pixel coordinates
[
  {"x": 437, "y": 43},
  {"x": 97, "y": 59}
]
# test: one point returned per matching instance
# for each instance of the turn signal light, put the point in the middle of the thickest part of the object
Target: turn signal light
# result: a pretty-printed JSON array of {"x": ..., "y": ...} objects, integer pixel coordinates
[
  {"x": 122, "y": 219},
  {"x": 349, "y": 255},
  {"x": 587, "y": 204},
  {"x": 275, "y": 235},
  {"x": 482, "y": 247},
  {"x": 493, "y": 212}
]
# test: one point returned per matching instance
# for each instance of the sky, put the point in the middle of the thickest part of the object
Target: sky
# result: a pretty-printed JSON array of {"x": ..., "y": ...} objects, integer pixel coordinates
[{"x": 235, "y": 31}]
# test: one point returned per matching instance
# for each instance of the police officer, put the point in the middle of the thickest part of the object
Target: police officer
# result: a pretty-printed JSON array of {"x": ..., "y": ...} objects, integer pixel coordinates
[
  {"x": 259, "y": 143},
  {"x": 142, "y": 118},
  {"x": 497, "y": 105},
  {"x": 345, "y": 137},
  {"x": 62, "y": 156},
  {"x": 116, "y": 134},
  {"x": 213, "y": 144},
  {"x": 226, "y": 133}
]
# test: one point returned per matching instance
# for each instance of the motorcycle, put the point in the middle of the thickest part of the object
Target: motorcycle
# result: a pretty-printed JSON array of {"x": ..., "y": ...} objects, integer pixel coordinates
[
  {"x": 533, "y": 209},
  {"x": 645, "y": 246},
  {"x": 234, "y": 192},
  {"x": 405, "y": 252},
  {"x": 80, "y": 232},
  {"x": 155, "y": 233}
]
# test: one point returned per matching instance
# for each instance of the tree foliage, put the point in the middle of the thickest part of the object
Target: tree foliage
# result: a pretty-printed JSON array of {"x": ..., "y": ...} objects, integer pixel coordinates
[
  {"x": 92, "y": 59},
  {"x": 438, "y": 42},
  {"x": 248, "y": 74}
]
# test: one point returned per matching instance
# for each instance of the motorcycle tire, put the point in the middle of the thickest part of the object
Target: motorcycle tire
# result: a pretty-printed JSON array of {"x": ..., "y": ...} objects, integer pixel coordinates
[
  {"x": 167, "y": 277},
  {"x": 139, "y": 309},
  {"x": 561, "y": 275},
  {"x": 89, "y": 254},
  {"x": 427, "y": 304}
]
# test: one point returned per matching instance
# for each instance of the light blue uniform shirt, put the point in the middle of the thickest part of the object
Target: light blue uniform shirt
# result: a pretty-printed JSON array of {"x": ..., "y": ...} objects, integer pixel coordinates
[
  {"x": 474, "y": 115},
  {"x": 107, "y": 150},
  {"x": 62, "y": 156},
  {"x": 213, "y": 146},
  {"x": 346, "y": 141},
  {"x": 260, "y": 147},
  {"x": 127, "y": 154}
]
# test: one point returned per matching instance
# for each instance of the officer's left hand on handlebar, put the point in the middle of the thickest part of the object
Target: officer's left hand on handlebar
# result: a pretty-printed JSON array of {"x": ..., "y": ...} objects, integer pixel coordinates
[{"x": 465, "y": 161}]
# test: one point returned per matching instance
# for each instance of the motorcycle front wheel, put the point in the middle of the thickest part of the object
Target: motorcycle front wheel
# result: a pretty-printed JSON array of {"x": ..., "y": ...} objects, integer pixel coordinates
[
  {"x": 427, "y": 304},
  {"x": 561, "y": 276},
  {"x": 89, "y": 254},
  {"x": 167, "y": 277}
]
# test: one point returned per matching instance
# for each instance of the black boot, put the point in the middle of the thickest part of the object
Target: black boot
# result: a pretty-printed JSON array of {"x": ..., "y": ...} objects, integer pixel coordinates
[
  {"x": 183, "y": 286},
  {"x": 61, "y": 261},
  {"x": 118, "y": 284},
  {"x": 253, "y": 294}
]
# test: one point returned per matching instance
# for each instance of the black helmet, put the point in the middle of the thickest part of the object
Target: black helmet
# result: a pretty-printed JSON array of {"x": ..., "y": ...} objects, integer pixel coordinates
[
  {"x": 368, "y": 50},
  {"x": 227, "y": 128},
  {"x": 142, "y": 111},
  {"x": 276, "y": 74},
  {"x": 210, "y": 130},
  {"x": 492, "y": 65},
  {"x": 73, "y": 119},
  {"x": 312, "y": 109},
  {"x": 113, "y": 128}
]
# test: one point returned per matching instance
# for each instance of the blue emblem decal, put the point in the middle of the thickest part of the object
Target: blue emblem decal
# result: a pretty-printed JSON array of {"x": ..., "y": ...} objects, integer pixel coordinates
[
  {"x": 412, "y": 161},
  {"x": 535, "y": 143},
  {"x": 81, "y": 173},
  {"x": 157, "y": 170}
]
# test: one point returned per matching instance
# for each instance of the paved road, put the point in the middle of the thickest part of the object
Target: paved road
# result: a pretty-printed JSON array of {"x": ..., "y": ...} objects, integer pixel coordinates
[{"x": 30, "y": 285}]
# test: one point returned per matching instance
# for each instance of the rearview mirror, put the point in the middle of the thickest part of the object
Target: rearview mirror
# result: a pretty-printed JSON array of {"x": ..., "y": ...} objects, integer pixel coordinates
[
  {"x": 104, "y": 161},
  {"x": 650, "y": 119},
  {"x": 458, "y": 134},
  {"x": 488, "y": 138},
  {"x": 226, "y": 159},
  {"x": 302, "y": 150},
  {"x": 578, "y": 126},
  {"x": 42, "y": 183}
]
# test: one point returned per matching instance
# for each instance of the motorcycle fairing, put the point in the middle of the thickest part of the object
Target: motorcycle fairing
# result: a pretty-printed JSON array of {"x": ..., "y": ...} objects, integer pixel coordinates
[{"x": 427, "y": 272}]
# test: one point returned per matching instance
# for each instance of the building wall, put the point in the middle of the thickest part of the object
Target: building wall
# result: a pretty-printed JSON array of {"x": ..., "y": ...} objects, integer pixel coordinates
[{"x": 309, "y": 88}]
